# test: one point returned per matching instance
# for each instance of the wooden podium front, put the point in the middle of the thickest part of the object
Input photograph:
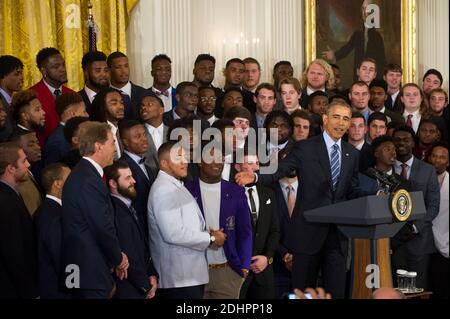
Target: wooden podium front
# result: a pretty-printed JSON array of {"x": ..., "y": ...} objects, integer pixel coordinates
[{"x": 361, "y": 258}]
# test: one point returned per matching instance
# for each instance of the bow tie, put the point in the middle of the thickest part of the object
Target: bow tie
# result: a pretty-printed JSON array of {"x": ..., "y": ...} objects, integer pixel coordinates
[
  {"x": 165, "y": 93},
  {"x": 142, "y": 161}
]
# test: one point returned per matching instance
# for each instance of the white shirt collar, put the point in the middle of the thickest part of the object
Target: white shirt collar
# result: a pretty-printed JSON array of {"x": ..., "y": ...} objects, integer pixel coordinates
[
  {"x": 360, "y": 145},
  {"x": 151, "y": 128},
  {"x": 398, "y": 164},
  {"x": 415, "y": 114},
  {"x": 329, "y": 142},
  {"x": 51, "y": 88},
  {"x": 133, "y": 156},
  {"x": 113, "y": 127},
  {"x": 95, "y": 164},
  {"x": 394, "y": 96},
  {"x": 126, "y": 89},
  {"x": 310, "y": 91},
  {"x": 279, "y": 147},
  {"x": 284, "y": 184},
  {"x": 125, "y": 200},
  {"x": 56, "y": 199},
  {"x": 23, "y": 128},
  {"x": 90, "y": 93},
  {"x": 7, "y": 97}
]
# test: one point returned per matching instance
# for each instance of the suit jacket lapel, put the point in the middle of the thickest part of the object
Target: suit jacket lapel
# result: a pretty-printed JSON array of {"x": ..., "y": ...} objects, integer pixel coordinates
[
  {"x": 415, "y": 168},
  {"x": 225, "y": 199}
]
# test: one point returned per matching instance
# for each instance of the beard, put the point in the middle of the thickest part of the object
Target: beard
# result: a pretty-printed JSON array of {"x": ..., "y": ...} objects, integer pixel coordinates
[
  {"x": 96, "y": 84},
  {"x": 127, "y": 192}
]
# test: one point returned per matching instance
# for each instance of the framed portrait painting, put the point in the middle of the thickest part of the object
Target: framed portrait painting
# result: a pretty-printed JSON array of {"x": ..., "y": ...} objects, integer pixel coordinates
[{"x": 346, "y": 32}]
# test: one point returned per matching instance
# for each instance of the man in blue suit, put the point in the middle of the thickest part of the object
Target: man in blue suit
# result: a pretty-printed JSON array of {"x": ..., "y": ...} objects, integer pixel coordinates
[
  {"x": 224, "y": 206},
  {"x": 90, "y": 242},
  {"x": 68, "y": 105},
  {"x": 142, "y": 277},
  {"x": 327, "y": 171},
  {"x": 135, "y": 143},
  {"x": 48, "y": 227}
]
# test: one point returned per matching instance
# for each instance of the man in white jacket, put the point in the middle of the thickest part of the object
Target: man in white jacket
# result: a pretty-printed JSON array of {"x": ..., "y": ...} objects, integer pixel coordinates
[{"x": 177, "y": 230}]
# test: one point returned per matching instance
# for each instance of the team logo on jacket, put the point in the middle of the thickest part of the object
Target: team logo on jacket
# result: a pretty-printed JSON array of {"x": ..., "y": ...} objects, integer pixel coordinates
[{"x": 230, "y": 223}]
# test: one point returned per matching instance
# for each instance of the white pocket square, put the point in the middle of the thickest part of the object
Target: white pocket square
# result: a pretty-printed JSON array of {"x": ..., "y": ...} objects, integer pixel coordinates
[{"x": 268, "y": 202}]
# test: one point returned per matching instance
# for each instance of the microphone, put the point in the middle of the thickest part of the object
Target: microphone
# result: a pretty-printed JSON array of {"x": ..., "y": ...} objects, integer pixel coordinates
[{"x": 380, "y": 176}]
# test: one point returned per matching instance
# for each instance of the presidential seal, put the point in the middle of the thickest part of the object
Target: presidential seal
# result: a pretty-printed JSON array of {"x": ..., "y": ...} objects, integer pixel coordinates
[{"x": 401, "y": 205}]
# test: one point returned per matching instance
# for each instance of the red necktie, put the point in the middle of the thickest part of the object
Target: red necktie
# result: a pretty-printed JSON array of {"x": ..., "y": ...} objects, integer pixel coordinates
[
  {"x": 409, "y": 120},
  {"x": 104, "y": 179},
  {"x": 404, "y": 172}
]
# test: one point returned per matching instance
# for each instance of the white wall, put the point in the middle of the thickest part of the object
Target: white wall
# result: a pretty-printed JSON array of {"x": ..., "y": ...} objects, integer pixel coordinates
[
  {"x": 433, "y": 43},
  {"x": 182, "y": 29},
  {"x": 273, "y": 28}
]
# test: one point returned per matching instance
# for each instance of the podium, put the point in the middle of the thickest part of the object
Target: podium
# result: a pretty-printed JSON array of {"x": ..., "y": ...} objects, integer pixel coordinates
[{"x": 370, "y": 221}]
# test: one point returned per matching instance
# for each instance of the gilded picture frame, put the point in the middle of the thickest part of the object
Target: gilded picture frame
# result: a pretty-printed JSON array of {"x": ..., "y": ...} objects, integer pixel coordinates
[{"x": 408, "y": 36}]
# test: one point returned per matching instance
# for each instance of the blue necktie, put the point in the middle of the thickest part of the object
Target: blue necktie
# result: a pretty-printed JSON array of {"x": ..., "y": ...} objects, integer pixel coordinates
[{"x": 335, "y": 166}]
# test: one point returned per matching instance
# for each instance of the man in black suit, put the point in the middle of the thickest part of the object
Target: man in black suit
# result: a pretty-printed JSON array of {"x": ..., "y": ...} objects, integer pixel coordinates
[
  {"x": 413, "y": 246},
  {"x": 71, "y": 132},
  {"x": 266, "y": 235},
  {"x": 134, "y": 140},
  {"x": 11, "y": 81},
  {"x": 89, "y": 238},
  {"x": 187, "y": 101},
  {"x": 49, "y": 232},
  {"x": 17, "y": 242},
  {"x": 393, "y": 76},
  {"x": 142, "y": 277},
  {"x": 379, "y": 98},
  {"x": 234, "y": 77},
  {"x": 120, "y": 80},
  {"x": 68, "y": 105},
  {"x": 96, "y": 76},
  {"x": 357, "y": 137},
  {"x": 204, "y": 72},
  {"x": 327, "y": 171},
  {"x": 152, "y": 112}
]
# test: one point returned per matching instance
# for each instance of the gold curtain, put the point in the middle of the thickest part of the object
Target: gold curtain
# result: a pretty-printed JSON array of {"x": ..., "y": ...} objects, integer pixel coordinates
[{"x": 26, "y": 26}]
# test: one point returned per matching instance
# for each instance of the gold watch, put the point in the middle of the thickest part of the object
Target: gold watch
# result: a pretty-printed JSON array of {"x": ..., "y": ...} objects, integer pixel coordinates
[{"x": 269, "y": 260}]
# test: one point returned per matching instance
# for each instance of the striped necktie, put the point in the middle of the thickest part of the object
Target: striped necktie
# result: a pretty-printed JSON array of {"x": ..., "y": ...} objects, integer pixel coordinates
[{"x": 335, "y": 166}]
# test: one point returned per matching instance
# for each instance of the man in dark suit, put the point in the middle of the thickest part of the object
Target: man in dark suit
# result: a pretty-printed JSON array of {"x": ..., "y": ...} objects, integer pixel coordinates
[
  {"x": 224, "y": 206},
  {"x": 71, "y": 132},
  {"x": 134, "y": 140},
  {"x": 11, "y": 81},
  {"x": 187, "y": 101},
  {"x": 49, "y": 232},
  {"x": 413, "y": 246},
  {"x": 17, "y": 242},
  {"x": 68, "y": 105},
  {"x": 151, "y": 112},
  {"x": 379, "y": 98},
  {"x": 162, "y": 73},
  {"x": 89, "y": 238},
  {"x": 142, "y": 277},
  {"x": 327, "y": 171},
  {"x": 393, "y": 76},
  {"x": 96, "y": 76},
  {"x": 234, "y": 77},
  {"x": 54, "y": 75},
  {"x": 266, "y": 235},
  {"x": 120, "y": 80},
  {"x": 204, "y": 72}
]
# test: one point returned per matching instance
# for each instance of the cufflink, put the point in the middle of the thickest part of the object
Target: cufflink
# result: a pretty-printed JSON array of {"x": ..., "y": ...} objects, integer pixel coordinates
[{"x": 268, "y": 202}]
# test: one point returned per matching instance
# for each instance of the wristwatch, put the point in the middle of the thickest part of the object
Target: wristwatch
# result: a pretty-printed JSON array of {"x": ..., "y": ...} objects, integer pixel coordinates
[
  {"x": 212, "y": 239},
  {"x": 269, "y": 260}
]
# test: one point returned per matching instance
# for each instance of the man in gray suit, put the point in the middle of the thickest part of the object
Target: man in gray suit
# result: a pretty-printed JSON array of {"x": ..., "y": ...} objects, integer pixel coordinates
[
  {"x": 414, "y": 244},
  {"x": 151, "y": 112},
  {"x": 177, "y": 230}
]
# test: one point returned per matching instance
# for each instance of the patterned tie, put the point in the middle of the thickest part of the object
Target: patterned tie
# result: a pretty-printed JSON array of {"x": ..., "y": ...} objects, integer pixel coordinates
[
  {"x": 409, "y": 120},
  {"x": 335, "y": 166},
  {"x": 404, "y": 172},
  {"x": 133, "y": 212},
  {"x": 57, "y": 93},
  {"x": 290, "y": 199},
  {"x": 165, "y": 93},
  {"x": 253, "y": 207}
]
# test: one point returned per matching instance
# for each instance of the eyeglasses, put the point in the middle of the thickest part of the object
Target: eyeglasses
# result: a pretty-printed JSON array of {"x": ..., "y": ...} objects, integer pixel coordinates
[{"x": 206, "y": 99}]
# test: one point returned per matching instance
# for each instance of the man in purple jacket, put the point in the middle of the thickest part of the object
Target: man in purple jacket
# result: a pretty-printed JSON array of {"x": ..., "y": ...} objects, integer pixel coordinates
[{"x": 224, "y": 206}]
